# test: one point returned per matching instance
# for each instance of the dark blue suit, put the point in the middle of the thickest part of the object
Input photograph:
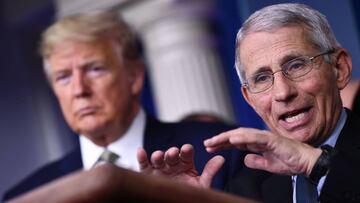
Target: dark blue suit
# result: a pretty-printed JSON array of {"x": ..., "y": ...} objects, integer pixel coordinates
[{"x": 158, "y": 136}]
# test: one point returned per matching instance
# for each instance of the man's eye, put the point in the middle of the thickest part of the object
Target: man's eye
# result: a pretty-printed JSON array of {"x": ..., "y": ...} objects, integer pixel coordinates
[
  {"x": 295, "y": 65},
  {"x": 261, "y": 78},
  {"x": 62, "y": 78},
  {"x": 96, "y": 70}
]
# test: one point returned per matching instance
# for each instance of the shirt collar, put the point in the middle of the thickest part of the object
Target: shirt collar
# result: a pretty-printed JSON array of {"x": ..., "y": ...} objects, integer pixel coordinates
[
  {"x": 339, "y": 126},
  {"x": 126, "y": 146}
]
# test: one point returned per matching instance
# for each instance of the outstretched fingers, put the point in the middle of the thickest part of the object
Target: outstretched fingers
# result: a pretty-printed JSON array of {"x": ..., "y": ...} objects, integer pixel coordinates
[
  {"x": 157, "y": 160},
  {"x": 187, "y": 154},
  {"x": 241, "y": 138},
  {"x": 178, "y": 164},
  {"x": 210, "y": 169},
  {"x": 143, "y": 160},
  {"x": 218, "y": 142},
  {"x": 255, "y": 161},
  {"x": 172, "y": 156}
]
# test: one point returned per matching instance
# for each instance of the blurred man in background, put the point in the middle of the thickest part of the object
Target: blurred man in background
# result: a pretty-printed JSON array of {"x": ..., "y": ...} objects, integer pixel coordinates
[{"x": 95, "y": 69}]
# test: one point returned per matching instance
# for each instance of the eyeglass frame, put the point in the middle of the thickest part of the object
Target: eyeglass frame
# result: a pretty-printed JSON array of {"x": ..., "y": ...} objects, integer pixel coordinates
[{"x": 285, "y": 72}]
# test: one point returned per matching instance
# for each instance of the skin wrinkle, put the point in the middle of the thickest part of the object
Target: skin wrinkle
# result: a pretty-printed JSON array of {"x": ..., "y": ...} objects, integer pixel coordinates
[{"x": 283, "y": 44}]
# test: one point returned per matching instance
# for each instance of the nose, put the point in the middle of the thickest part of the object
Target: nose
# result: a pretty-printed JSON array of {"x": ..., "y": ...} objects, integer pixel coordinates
[
  {"x": 283, "y": 89},
  {"x": 80, "y": 85}
]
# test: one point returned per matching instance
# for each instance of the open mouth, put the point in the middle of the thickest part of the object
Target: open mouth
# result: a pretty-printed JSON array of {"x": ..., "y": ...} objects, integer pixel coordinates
[{"x": 294, "y": 116}]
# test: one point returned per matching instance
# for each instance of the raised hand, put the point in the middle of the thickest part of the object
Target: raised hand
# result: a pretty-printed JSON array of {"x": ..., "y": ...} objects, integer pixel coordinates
[
  {"x": 179, "y": 165},
  {"x": 273, "y": 153}
]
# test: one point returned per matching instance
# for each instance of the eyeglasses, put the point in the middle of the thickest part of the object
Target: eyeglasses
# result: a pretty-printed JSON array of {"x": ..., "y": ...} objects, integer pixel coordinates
[{"x": 292, "y": 69}]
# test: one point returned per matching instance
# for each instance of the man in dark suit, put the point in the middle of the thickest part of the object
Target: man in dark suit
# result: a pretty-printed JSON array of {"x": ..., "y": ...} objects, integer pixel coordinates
[
  {"x": 95, "y": 70},
  {"x": 292, "y": 70}
]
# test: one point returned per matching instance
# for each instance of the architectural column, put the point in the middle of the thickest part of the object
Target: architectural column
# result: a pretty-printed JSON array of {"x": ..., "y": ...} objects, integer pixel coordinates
[{"x": 185, "y": 68}]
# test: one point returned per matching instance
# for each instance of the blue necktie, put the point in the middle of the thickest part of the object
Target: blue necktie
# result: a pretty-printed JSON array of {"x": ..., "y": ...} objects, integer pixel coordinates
[{"x": 306, "y": 192}]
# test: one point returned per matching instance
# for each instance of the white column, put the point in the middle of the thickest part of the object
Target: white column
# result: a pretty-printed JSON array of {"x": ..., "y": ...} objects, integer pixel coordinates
[
  {"x": 185, "y": 68},
  {"x": 67, "y": 7}
]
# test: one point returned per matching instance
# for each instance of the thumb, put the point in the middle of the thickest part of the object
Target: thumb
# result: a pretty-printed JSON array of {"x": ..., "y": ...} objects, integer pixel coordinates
[{"x": 210, "y": 169}]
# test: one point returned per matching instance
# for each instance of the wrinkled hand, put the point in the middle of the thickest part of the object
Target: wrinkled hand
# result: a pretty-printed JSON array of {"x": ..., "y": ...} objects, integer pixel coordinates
[
  {"x": 179, "y": 165},
  {"x": 273, "y": 153}
]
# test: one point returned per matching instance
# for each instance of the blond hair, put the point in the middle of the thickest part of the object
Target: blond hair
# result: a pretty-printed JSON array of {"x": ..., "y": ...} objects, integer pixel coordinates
[{"x": 89, "y": 27}]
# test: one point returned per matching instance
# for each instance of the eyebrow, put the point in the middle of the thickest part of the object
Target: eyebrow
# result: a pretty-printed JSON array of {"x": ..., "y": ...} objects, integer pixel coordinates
[
  {"x": 289, "y": 57},
  {"x": 60, "y": 71},
  {"x": 91, "y": 62},
  {"x": 83, "y": 65},
  {"x": 261, "y": 70}
]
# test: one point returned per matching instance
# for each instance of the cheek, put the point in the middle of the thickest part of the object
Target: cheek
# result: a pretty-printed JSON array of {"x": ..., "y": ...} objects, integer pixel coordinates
[
  {"x": 114, "y": 96},
  {"x": 319, "y": 88},
  {"x": 262, "y": 105},
  {"x": 64, "y": 102},
  {"x": 68, "y": 111}
]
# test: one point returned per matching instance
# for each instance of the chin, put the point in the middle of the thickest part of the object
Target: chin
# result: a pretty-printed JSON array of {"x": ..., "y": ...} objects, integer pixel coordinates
[
  {"x": 91, "y": 130},
  {"x": 290, "y": 135},
  {"x": 299, "y": 137}
]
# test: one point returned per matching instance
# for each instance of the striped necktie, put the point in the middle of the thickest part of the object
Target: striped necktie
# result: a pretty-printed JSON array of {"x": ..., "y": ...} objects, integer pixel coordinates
[{"x": 106, "y": 157}]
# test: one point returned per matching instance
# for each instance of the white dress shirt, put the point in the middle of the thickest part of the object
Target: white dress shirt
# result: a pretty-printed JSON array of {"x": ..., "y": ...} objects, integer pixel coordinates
[{"x": 126, "y": 146}]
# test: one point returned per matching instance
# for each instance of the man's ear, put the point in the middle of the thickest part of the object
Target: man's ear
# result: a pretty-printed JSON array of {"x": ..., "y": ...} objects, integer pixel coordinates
[
  {"x": 343, "y": 68},
  {"x": 137, "y": 77},
  {"x": 247, "y": 97}
]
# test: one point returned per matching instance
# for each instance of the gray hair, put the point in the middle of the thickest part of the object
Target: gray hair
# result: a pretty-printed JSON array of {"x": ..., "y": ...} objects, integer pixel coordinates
[
  {"x": 274, "y": 17},
  {"x": 89, "y": 27}
]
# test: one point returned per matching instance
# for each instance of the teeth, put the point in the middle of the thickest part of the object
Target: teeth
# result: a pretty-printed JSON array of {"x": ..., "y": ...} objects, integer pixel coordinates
[{"x": 294, "y": 118}]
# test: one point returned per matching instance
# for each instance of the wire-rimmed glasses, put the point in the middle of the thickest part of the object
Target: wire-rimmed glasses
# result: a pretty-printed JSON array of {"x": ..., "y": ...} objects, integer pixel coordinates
[{"x": 292, "y": 69}]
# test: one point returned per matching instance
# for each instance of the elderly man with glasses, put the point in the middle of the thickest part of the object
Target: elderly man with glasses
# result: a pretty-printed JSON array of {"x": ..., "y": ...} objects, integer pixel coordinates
[{"x": 292, "y": 70}]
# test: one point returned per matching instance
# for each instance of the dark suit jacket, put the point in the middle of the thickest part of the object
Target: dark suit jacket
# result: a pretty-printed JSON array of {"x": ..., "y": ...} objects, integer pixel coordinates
[
  {"x": 158, "y": 136},
  {"x": 341, "y": 185},
  {"x": 356, "y": 103}
]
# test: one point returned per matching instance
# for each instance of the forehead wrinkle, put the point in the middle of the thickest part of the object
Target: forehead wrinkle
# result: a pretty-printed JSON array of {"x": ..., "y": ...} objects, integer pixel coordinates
[
  {"x": 284, "y": 59},
  {"x": 78, "y": 51},
  {"x": 279, "y": 46},
  {"x": 290, "y": 56},
  {"x": 89, "y": 62},
  {"x": 80, "y": 63}
]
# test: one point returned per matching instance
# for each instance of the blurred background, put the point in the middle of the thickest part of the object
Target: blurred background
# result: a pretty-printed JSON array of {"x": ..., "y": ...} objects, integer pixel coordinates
[{"x": 188, "y": 46}]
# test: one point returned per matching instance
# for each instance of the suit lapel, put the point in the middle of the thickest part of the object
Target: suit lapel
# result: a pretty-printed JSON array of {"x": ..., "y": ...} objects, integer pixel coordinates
[
  {"x": 157, "y": 135},
  {"x": 345, "y": 166},
  {"x": 71, "y": 162}
]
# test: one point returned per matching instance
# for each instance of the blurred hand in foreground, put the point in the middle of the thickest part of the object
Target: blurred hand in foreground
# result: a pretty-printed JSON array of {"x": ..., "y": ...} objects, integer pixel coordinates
[{"x": 179, "y": 165}]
